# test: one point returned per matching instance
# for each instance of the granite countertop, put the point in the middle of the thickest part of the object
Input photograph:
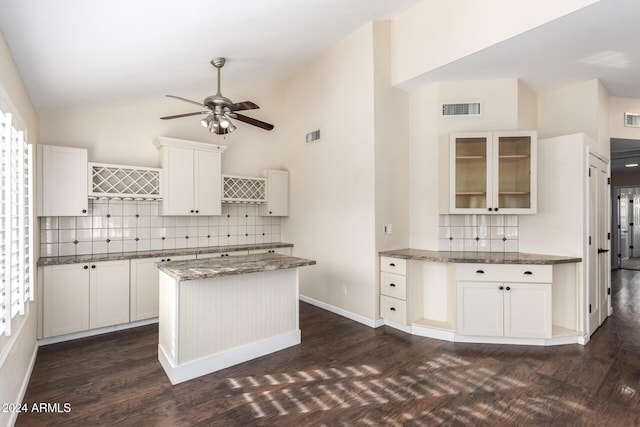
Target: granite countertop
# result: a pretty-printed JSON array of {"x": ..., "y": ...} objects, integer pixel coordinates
[
  {"x": 479, "y": 257},
  {"x": 242, "y": 264},
  {"x": 78, "y": 259}
]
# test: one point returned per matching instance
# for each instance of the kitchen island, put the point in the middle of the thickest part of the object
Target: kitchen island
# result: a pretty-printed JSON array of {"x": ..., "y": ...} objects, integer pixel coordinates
[{"x": 218, "y": 312}]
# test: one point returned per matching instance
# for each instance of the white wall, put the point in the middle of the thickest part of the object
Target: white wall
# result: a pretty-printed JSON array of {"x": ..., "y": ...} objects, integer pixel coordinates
[
  {"x": 617, "y": 107},
  {"x": 332, "y": 188},
  {"x": 581, "y": 107},
  {"x": 17, "y": 352},
  {"x": 429, "y": 141},
  {"x": 124, "y": 134},
  {"x": 437, "y": 32}
]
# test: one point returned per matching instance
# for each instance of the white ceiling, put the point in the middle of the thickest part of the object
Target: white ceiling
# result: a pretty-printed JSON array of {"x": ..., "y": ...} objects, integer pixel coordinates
[
  {"x": 83, "y": 52},
  {"x": 78, "y": 52}
]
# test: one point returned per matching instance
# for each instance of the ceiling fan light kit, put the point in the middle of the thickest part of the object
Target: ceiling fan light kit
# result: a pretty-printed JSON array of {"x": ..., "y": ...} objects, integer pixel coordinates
[{"x": 220, "y": 110}]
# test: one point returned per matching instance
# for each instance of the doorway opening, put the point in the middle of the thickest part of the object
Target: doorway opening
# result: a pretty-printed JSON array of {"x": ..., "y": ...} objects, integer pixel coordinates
[{"x": 627, "y": 227}]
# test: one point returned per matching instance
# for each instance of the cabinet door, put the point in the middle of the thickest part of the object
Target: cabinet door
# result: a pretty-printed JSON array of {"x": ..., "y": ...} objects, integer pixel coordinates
[
  {"x": 480, "y": 309},
  {"x": 144, "y": 287},
  {"x": 207, "y": 183},
  {"x": 62, "y": 181},
  {"x": 527, "y": 310},
  {"x": 108, "y": 293},
  {"x": 277, "y": 193},
  {"x": 178, "y": 166},
  {"x": 514, "y": 172},
  {"x": 470, "y": 173},
  {"x": 65, "y": 299}
]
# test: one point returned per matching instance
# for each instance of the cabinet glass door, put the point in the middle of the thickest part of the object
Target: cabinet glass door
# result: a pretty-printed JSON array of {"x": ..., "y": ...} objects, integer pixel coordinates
[
  {"x": 471, "y": 172},
  {"x": 514, "y": 172}
]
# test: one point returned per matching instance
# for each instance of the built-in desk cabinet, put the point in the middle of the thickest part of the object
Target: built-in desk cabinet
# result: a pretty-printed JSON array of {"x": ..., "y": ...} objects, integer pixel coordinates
[
  {"x": 79, "y": 297},
  {"x": 504, "y": 300},
  {"x": 493, "y": 173}
]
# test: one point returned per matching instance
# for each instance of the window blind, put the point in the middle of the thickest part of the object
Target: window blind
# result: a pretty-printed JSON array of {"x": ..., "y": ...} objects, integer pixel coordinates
[{"x": 16, "y": 235}]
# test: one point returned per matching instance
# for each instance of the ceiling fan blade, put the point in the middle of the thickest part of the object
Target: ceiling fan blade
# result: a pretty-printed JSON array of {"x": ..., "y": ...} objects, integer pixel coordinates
[
  {"x": 185, "y": 100},
  {"x": 255, "y": 122},
  {"x": 177, "y": 116},
  {"x": 245, "y": 105}
]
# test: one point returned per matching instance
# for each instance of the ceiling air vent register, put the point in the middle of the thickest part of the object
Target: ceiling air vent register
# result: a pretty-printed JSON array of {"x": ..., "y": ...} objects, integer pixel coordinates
[
  {"x": 461, "y": 109},
  {"x": 632, "y": 120}
]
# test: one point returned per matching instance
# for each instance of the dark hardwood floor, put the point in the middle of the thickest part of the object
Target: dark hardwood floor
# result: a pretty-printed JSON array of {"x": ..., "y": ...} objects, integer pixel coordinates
[{"x": 347, "y": 374}]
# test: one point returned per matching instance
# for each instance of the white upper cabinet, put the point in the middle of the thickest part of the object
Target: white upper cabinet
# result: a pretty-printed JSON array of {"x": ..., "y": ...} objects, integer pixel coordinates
[
  {"x": 277, "y": 193},
  {"x": 62, "y": 183},
  {"x": 192, "y": 177},
  {"x": 493, "y": 172}
]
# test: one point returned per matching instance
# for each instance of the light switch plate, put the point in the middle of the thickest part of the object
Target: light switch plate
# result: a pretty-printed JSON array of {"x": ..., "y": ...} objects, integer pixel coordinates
[{"x": 388, "y": 229}]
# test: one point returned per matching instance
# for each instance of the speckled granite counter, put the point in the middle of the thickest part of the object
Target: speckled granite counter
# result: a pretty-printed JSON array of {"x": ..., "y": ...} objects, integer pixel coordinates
[
  {"x": 214, "y": 267},
  {"x": 479, "y": 257},
  {"x": 159, "y": 253}
]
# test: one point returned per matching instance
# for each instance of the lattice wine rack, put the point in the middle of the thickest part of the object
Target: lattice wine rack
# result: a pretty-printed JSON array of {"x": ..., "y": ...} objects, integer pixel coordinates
[
  {"x": 243, "y": 189},
  {"x": 125, "y": 182}
]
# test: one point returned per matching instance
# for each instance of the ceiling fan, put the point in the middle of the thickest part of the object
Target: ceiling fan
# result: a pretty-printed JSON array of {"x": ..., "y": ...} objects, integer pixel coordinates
[{"x": 220, "y": 110}]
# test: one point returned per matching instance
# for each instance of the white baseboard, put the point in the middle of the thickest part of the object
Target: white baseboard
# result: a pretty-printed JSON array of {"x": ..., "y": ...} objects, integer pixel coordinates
[
  {"x": 342, "y": 312},
  {"x": 213, "y": 363},
  {"x": 99, "y": 331},
  {"x": 25, "y": 383}
]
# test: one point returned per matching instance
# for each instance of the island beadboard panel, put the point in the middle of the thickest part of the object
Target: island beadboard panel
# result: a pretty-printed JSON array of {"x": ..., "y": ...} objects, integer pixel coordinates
[{"x": 114, "y": 226}]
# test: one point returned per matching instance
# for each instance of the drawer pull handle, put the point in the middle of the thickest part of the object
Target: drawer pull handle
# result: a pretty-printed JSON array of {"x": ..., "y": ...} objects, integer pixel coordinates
[
  {"x": 528, "y": 273},
  {"x": 480, "y": 271},
  {"x": 508, "y": 288},
  {"x": 393, "y": 285},
  {"x": 392, "y": 309},
  {"x": 392, "y": 264}
]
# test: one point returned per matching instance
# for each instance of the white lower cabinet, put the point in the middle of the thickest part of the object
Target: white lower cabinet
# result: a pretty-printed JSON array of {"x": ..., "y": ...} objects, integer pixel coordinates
[
  {"x": 504, "y": 309},
  {"x": 393, "y": 290},
  {"x": 281, "y": 251},
  {"x": 78, "y": 297},
  {"x": 222, "y": 254},
  {"x": 144, "y": 286}
]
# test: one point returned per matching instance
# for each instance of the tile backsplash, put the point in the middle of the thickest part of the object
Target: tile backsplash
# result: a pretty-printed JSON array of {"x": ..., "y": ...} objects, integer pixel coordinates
[
  {"x": 478, "y": 233},
  {"x": 127, "y": 226}
]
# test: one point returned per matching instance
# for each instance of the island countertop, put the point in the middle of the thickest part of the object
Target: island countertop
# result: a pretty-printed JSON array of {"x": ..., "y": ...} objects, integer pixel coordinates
[
  {"x": 241, "y": 264},
  {"x": 479, "y": 257}
]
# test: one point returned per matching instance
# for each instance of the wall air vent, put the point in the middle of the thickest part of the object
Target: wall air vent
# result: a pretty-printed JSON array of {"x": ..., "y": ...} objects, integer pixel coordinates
[
  {"x": 632, "y": 120},
  {"x": 461, "y": 109},
  {"x": 313, "y": 136}
]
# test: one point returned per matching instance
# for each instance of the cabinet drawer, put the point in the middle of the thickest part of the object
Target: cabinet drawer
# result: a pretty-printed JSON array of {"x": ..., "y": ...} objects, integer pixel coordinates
[
  {"x": 393, "y": 265},
  {"x": 520, "y": 273},
  {"x": 393, "y": 285},
  {"x": 393, "y": 309}
]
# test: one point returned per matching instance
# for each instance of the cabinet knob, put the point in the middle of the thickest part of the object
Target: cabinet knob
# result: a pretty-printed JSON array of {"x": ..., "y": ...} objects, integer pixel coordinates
[
  {"x": 270, "y": 212},
  {"x": 501, "y": 287},
  {"x": 393, "y": 285},
  {"x": 392, "y": 309},
  {"x": 197, "y": 211},
  {"x": 496, "y": 209},
  {"x": 162, "y": 260},
  {"x": 490, "y": 209},
  {"x": 168, "y": 259},
  {"x": 528, "y": 273},
  {"x": 85, "y": 267},
  {"x": 84, "y": 211},
  {"x": 479, "y": 271},
  {"x": 93, "y": 266},
  {"x": 191, "y": 211},
  {"x": 508, "y": 288}
]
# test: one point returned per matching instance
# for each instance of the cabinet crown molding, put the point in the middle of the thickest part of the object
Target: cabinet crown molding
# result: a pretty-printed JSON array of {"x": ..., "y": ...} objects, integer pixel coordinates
[{"x": 162, "y": 141}]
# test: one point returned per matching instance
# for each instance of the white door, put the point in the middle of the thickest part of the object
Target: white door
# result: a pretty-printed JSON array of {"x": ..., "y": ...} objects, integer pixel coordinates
[
  {"x": 208, "y": 183},
  {"x": 599, "y": 243},
  {"x": 109, "y": 293},
  {"x": 65, "y": 299},
  {"x": 178, "y": 181},
  {"x": 480, "y": 309}
]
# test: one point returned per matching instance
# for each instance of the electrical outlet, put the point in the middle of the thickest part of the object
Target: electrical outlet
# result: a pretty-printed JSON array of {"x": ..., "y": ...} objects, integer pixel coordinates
[{"x": 344, "y": 291}]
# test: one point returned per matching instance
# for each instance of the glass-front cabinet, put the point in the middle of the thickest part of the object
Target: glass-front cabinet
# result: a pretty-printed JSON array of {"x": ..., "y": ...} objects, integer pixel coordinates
[{"x": 493, "y": 172}]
